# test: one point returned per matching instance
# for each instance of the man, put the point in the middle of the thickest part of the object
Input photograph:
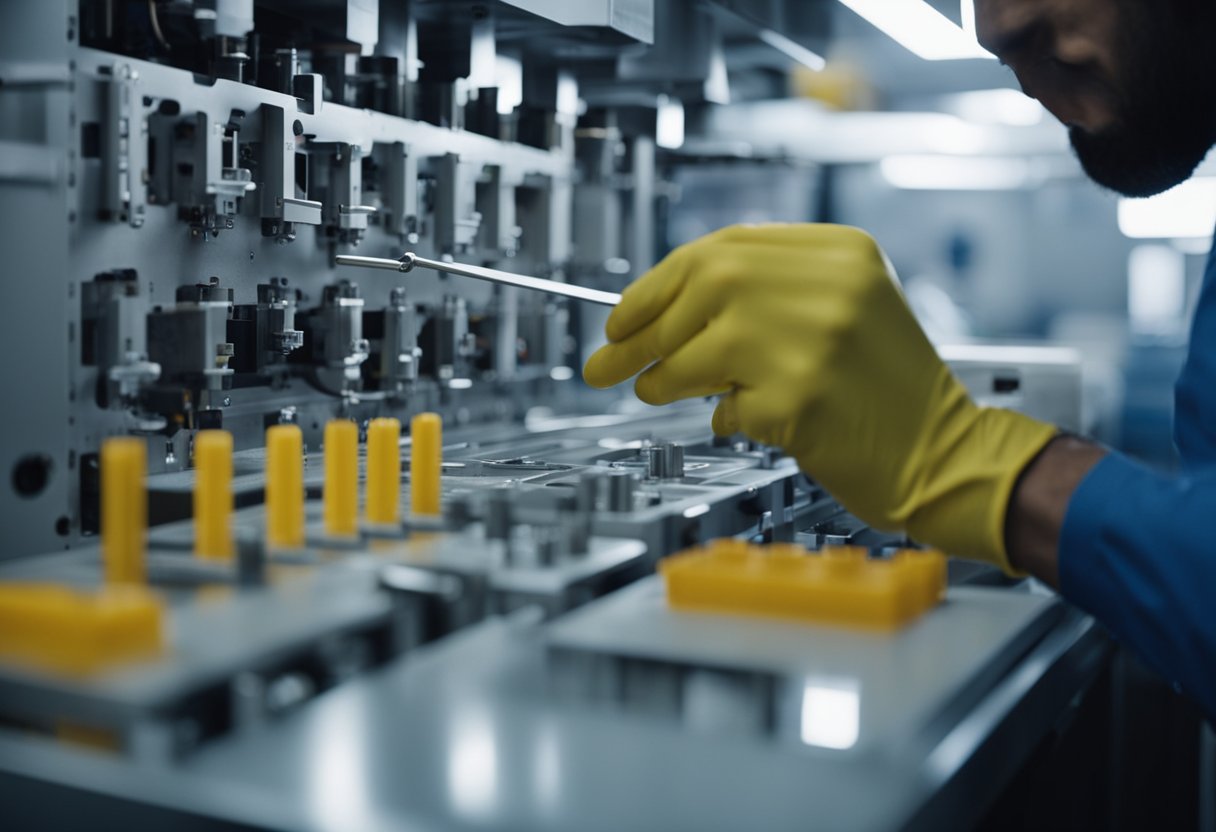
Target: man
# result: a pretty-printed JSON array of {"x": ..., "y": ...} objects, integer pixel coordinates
[{"x": 804, "y": 331}]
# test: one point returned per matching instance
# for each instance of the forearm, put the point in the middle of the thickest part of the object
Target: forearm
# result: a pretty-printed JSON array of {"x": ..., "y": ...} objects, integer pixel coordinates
[{"x": 1040, "y": 502}]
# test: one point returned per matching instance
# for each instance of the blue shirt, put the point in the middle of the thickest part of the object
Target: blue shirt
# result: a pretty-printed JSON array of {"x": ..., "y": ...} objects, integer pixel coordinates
[{"x": 1135, "y": 550}]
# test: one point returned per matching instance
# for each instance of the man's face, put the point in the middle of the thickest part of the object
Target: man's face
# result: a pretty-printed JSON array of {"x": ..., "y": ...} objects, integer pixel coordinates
[{"x": 1133, "y": 80}]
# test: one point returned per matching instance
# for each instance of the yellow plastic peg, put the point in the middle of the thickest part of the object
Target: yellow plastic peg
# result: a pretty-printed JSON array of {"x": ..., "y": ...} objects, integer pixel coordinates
[
  {"x": 341, "y": 478},
  {"x": 284, "y": 487},
  {"x": 124, "y": 509},
  {"x": 426, "y": 463},
  {"x": 384, "y": 471},
  {"x": 213, "y": 495}
]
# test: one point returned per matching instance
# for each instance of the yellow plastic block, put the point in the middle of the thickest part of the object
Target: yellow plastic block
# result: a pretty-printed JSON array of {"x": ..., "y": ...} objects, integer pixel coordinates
[
  {"x": 64, "y": 630},
  {"x": 124, "y": 509},
  {"x": 384, "y": 471},
  {"x": 342, "y": 478},
  {"x": 841, "y": 585},
  {"x": 213, "y": 495},
  {"x": 426, "y": 463},
  {"x": 284, "y": 487}
]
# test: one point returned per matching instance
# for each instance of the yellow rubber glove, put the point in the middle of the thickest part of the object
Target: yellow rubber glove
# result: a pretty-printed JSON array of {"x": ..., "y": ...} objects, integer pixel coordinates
[{"x": 806, "y": 332}]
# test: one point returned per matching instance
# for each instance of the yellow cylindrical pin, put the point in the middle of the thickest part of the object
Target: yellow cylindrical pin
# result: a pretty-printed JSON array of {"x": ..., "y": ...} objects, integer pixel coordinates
[
  {"x": 426, "y": 463},
  {"x": 284, "y": 487},
  {"x": 383, "y": 471},
  {"x": 341, "y": 478},
  {"x": 213, "y": 495},
  {"x": 124, "y": 509}
]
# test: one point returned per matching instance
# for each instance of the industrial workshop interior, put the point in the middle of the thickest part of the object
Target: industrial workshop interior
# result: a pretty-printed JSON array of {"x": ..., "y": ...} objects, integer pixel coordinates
[{"x": 607, "y": 415}]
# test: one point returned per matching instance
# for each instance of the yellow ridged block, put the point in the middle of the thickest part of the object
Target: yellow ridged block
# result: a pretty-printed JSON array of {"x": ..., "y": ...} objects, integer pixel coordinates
[
  {"x": 426, "y": 463},
  {"x": 284, "y": 487},
  {"x": 65, "y": 630},
  {"x": 841, "y": 585},
  {"x": 383, "y": 471},
  {"x": 341, "y": 478},
  {"x": 213, "y": 495},
  {"x": 124, "y": 509}
]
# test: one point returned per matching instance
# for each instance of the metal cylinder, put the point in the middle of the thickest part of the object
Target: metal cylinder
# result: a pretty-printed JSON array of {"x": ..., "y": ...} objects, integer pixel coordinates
[
  {"x": 619, "y": 488},
  {"x": 498, "y": 516},
  {"x": 666, "y": 461}
]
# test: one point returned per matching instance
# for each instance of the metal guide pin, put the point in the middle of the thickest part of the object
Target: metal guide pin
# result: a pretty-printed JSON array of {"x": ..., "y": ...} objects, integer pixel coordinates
[{"x": 409, "y": 261}]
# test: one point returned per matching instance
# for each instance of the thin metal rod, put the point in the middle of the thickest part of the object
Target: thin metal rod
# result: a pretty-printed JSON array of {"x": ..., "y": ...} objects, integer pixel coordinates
[{"x": 409, "y": 261}]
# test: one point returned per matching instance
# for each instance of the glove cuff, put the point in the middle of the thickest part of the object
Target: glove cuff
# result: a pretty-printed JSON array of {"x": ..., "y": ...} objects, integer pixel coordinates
[{"x": 962, "y": 509}]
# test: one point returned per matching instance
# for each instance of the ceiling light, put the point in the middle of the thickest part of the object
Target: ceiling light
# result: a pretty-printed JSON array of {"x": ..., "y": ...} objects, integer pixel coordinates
[
  {"x": 920, "y": 28},
  {"x": 955, "y": 173}
]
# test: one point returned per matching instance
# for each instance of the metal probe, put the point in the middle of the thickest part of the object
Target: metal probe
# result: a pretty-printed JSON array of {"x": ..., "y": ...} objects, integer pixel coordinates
[{"x": 409, "y": 261}]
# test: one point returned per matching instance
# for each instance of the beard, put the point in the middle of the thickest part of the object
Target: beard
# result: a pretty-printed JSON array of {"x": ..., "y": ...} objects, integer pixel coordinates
[{"x": 1166, "y": 120}]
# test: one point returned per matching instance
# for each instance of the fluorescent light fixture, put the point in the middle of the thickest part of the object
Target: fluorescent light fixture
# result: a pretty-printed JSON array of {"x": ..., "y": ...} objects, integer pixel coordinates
[
  {"x": 955, "y": 173},
  {"x": 831, "y": 716},
  {"x": 1156, "y": 289},
  {"x": 919, "y": 28},
  {"x": 1188, "y": 210},
  {"x": 792, "y": 50},
  {"x": 1000, "y": 106},
  {"x": 669, "y": 126}
]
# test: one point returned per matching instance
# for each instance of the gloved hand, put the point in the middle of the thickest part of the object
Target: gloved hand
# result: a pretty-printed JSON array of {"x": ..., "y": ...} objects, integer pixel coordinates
[{"x": 805, "y": 331}]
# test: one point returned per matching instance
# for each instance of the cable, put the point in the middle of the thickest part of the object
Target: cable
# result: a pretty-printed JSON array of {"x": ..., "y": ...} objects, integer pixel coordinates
[{"x": 155, "y": 18}]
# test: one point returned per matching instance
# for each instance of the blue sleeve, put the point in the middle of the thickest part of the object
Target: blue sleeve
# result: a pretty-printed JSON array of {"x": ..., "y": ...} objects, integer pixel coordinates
[
  {"x": 1137, "y": 553},
  {"x": 1195, "y": 392}
]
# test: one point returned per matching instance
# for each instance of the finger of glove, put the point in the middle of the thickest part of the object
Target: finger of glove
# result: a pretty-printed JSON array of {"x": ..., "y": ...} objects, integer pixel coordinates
[
  {"x": 615, "y": 362},
  {"x": 726, "y": 419},
  {"x": 755, "y": 416},
  {"x": 696, "y": 369},
  {"x": 649, "y": 296}
]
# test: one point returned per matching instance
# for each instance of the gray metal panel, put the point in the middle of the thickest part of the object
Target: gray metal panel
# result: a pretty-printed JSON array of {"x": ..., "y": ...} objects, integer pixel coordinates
[
  {"x": 631, "y": 17},
  {"x": 37, "y": 203}
]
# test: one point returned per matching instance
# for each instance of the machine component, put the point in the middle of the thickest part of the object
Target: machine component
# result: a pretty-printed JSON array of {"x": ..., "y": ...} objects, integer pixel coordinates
[
  {"x": 213, "y": 495},
  {"x": 114, "y": 337},
  {"x": 336, "y": 332},
  {"x": 198, "y": 165},
  {"x": 499, "y": 523},
  {"x": 340, "y": 187},
  {"x": 124, "y": 149},
  {"x": 426, "y": 464},
  {"x": 384, "y": 472},
  {"x": 284, "y": 487},
  {"x": 448, "y": 343},
  {"x": 282, "y": 181},
  {"x": 190, "y": 340},
  {"x": 665, "y": 461},
  {"x": 264, "y": 333},
  {"x": 393, "y": 334},
  {"x": 456, "y": 216},
  {"x": 124, "y": 509},
  {"x": 496, "y": 204},
  {"x": 399, "y": 184},
  {"x": 342, "y": 478},
  {"x": 839, "y": 585},
  {"x": 409, "y": 261}
]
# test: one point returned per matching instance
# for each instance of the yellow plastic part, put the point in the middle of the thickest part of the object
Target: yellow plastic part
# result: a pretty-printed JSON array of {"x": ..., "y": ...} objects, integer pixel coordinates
[
  {"x": 841, "y": 585},
  {"x": 384, "y": 471},
  {"x": 341, "y": 478},
  {"x": 65, "y": 630},
  {"x": 213, "y": 495},
  {"x": 426, "y": 463},
  {"x": 124, "y": 509},
  {"x": 284, "y": 487}
]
